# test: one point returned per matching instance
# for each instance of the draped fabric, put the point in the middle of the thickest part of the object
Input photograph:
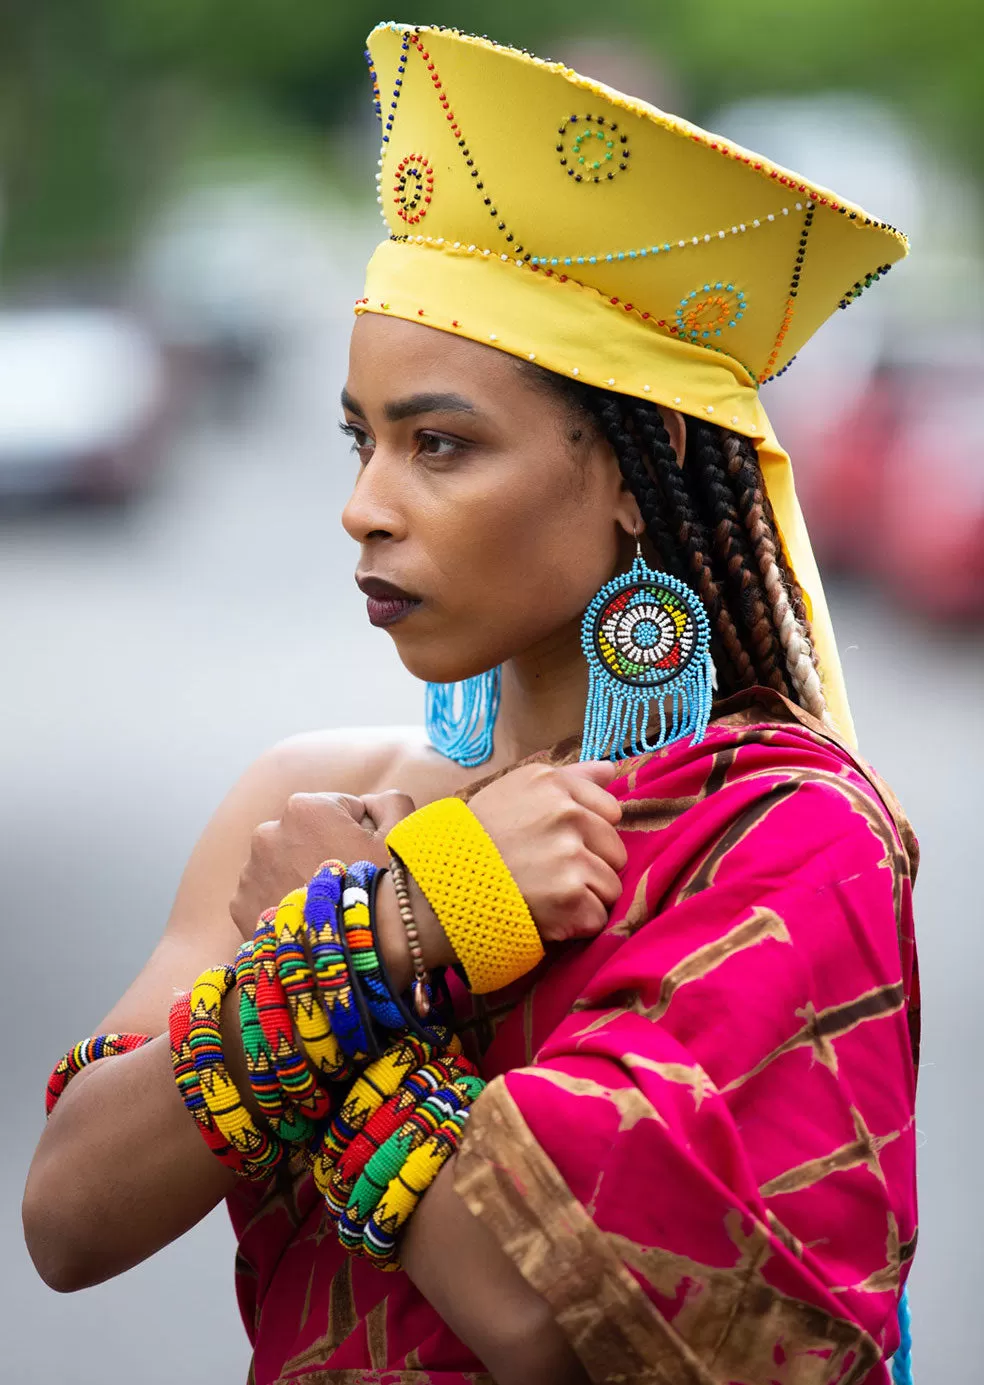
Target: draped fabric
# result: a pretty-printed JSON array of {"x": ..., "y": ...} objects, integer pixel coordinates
[{"x": 698, "y": 1140}]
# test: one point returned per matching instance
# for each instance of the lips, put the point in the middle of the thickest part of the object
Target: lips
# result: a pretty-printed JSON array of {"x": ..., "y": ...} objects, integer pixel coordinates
[
  {"x": 386, "y": 603},
  {"x": 381, "y": 590}
]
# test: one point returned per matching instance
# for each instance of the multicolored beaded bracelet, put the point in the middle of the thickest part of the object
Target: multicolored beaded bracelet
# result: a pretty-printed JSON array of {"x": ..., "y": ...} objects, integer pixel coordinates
[
  {"x": 365, "y": 1031},
  {"x": 416, "y": 1088},
  {"x": 383, "y": 1123},
  {"x": 332, "y": 964},
  {"x": 390, "y": 1158},
  {"x": 85, "y": 1052},
  {"x": 298, "y": 1084},
  {"x": 260, "y": 1149},
  {"x": 320, "y": 1040},
  {"x": 379, "y": 1081},
  {"x": 189, "y": 1086},
  {"x": 358, "y": 903},
  {"x": 287, "y": 1123},
  {"x": 403, "y": 1194}
]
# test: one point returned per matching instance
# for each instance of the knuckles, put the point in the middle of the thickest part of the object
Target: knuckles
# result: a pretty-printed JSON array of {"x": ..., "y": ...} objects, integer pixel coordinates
[{"x": 263, "y": 837}]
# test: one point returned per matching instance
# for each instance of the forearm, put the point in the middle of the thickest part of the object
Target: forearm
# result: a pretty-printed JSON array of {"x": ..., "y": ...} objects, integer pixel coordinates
[
  {"x": 392, "y": 935},
  {"x": 481, "y": 1295},
  {"x": 120, "y": 1171}
]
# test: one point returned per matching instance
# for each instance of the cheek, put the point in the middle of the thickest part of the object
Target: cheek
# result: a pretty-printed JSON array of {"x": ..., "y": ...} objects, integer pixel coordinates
[{"x": 534, "y": 558}]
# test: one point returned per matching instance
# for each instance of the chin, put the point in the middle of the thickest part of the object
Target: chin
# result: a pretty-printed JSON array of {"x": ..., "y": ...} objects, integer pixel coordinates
[{"x": 435, "y": 663}]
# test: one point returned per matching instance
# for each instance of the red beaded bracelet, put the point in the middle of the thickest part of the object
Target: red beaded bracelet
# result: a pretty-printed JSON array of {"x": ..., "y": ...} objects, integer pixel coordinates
[{"x": 85, "y": 1052}]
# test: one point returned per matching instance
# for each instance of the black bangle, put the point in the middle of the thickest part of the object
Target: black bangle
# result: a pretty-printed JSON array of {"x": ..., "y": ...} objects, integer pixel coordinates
[{"x": 367, "y": 1023}]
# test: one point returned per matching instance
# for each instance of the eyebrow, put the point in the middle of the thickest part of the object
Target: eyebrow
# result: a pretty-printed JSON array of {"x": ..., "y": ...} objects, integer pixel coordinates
[{"x": 425, "y": 403}]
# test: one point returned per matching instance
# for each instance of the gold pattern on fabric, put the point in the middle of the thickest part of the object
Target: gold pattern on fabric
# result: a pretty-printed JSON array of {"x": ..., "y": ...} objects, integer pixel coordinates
[
  {"x": 760, "y": 926},
  {"x": 512, "y": 1187},
  {"x": 783, "y": 1234},
  {"x": 704, "y": 875},
  {"x": 863, "y": 1149},
  {"x": 376, "y": 1333},
  {"x": 361, "y": 1376},
  {"x": 630, "y": 1103},
  {"x": 653, "y": 814},
  {"x": 342, "y": 1322},
  {"x": 737, "y": 1318},
  {"x": 888, "y": 1278},
  {"x": 895, "y": 860},
  {"x": 692, "y": 1076},
  {"x": 820, "y": 1027},
  {"x": 638, "y": 912},
  {"x": 732, "y": 1317}
]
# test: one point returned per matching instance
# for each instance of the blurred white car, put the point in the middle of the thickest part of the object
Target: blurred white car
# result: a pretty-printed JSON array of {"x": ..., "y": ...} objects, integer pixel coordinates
[{"x": 82, "y": 400}]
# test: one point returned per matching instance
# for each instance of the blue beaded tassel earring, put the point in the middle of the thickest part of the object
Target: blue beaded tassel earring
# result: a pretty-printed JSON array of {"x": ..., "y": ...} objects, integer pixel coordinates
[
  {"x": 647, "y": 639},
  {"x": 461, "y": 717}
]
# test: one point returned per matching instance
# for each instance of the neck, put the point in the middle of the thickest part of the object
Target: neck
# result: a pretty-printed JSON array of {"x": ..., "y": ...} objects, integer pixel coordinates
[{"x": 544, "y": 692}]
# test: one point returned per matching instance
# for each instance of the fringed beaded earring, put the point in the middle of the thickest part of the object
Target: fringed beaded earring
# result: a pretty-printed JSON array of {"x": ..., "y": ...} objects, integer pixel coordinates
[
  {"x": 647, "y": 639},
  {"x": 461, "y": 717}
]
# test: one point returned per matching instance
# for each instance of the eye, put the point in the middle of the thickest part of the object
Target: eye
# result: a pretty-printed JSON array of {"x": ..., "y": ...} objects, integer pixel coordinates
[
  {"x": 439, "y": 446},
  {"x": 362, "y": 443}
]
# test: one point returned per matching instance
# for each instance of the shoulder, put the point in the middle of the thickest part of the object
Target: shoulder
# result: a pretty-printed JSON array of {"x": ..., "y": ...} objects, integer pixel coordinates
[
  {"x": 354, "y": 760},
  {"x": 350, "y": 759}
]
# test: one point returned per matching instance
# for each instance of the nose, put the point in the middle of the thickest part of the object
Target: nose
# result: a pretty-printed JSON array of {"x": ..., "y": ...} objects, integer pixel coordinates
[{"x": 373, "y": 511}]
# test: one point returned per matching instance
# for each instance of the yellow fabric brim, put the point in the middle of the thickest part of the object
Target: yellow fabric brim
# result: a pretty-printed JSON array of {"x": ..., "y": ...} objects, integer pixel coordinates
[{"x": 574, "y": 330}]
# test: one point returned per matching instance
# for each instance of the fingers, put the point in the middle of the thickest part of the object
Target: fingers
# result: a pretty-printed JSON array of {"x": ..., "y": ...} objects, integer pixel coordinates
[
  {"x": 590, "y": 790},
  {"x": 597, "y": 771},
  {"x": 605, "y": 883},
  {"x": 385, "y": 810},
  {"x": 601, "y": 838},
  {"x": 314, "y": 805},
  {"x": 590, "y": 918}
]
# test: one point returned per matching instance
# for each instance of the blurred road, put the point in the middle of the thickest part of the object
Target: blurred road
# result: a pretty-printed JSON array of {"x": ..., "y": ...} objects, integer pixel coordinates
[{"x": 150, "y": 655}]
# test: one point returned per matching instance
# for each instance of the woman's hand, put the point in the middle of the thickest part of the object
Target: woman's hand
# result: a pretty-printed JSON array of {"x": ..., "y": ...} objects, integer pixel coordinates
[
  {"x": 555, "y": 830},
  {"x": 314, "y": 827}
]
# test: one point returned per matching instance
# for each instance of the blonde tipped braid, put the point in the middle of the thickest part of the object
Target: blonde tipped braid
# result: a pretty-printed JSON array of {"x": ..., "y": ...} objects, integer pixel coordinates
[{"x": 795, "y": 640}]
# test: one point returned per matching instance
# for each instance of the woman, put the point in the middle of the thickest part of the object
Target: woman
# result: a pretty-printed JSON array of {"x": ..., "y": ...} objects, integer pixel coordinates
[{"x": 694, "y": 1159}]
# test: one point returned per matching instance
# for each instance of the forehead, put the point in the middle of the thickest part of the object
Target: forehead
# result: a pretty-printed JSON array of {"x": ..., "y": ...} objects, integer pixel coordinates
[{"x": 388, "y": 352}]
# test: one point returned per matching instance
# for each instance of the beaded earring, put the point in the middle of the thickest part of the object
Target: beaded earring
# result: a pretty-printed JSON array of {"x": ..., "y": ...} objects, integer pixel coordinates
[
  {"x": 461, "y": 717},
  {"x": 647, "y": 639}
]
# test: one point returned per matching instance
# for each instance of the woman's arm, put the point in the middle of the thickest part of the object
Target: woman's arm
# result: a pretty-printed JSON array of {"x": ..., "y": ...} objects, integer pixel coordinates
[
  {"x": 469, "y": 1279},
  {"x": 120, "y": 1169},
  {"x": 119, "y": 1172}
]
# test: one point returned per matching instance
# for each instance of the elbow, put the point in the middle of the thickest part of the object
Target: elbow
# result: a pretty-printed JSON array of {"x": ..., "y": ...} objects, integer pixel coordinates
[{"x": 55, "y": 1248}]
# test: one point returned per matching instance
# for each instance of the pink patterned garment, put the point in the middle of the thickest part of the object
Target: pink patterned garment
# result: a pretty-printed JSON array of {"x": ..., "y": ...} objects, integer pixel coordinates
[{"x": 698, "y": 1142}]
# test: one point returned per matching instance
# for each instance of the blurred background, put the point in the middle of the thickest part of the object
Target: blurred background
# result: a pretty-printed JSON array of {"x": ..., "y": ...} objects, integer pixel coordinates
[{"x": 185, "y": 210}]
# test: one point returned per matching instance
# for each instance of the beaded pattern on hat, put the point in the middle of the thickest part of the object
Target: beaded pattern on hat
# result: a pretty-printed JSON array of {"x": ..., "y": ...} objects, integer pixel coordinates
[{"x": 612, "y": 147}]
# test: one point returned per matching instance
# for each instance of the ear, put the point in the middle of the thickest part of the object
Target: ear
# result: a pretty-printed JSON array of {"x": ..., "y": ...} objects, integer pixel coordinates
[
  {"x": 627, "y": 514},
  {"x": 676, "y": 426}
]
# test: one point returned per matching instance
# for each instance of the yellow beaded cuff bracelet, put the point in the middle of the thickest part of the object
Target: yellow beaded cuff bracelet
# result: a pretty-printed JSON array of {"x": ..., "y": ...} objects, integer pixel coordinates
[{"x": 467, "y": 884}]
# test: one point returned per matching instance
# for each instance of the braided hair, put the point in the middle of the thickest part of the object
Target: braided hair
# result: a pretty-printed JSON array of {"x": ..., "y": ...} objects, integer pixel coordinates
[{"x": 710, "y": 521}]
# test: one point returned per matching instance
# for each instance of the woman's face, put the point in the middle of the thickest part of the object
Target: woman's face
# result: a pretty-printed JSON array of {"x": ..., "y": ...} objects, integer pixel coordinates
[{"x": 475, "y": 497}]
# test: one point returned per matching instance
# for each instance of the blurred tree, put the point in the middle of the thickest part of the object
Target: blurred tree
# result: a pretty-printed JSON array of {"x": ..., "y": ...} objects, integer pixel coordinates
[{"x": 99, "y": 99}]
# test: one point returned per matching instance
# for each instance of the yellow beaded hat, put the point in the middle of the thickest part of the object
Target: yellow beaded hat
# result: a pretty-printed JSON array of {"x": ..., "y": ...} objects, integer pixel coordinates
[{"x": 549, "y": 216}]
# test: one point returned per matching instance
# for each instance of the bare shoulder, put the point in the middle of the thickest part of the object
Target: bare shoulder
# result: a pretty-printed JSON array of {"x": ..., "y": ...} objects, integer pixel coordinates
[
  {"x": 200, "y": 930},
  {"x": 360, "y": 760}
]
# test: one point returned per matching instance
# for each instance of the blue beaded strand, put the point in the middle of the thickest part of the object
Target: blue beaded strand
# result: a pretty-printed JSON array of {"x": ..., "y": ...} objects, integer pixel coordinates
[
  {"x": 902, "y": 1360},
  {"x": 461, "y": 717}
]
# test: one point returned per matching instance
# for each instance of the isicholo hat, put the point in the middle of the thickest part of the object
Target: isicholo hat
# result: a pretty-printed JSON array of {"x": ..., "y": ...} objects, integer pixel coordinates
[{"x": 551, "y": 217}]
